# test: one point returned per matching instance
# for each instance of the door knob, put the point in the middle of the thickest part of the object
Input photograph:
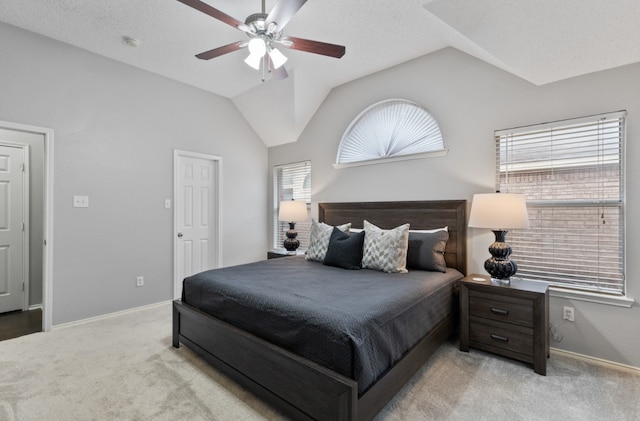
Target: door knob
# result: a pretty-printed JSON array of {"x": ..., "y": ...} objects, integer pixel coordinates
[{"x": 179, "y": 235}]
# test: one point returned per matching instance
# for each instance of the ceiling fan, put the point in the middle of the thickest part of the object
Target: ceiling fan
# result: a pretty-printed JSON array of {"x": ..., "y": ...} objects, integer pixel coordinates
[{"x": 265, "y": 33}]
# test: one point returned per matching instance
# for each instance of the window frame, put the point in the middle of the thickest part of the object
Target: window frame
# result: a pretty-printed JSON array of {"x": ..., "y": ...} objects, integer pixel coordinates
[
  {"x": 568, "y": 290},
  {"x": 301, "y": 190}
]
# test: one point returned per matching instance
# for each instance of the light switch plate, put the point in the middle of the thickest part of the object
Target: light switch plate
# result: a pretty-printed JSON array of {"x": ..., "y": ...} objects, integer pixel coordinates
[
  {"x": 80, "y": 201},
  {"x": 167, "y": 203}
]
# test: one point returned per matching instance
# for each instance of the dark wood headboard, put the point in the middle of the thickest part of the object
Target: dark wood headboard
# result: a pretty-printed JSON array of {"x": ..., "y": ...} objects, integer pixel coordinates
[{"x": 420, "y": 215}]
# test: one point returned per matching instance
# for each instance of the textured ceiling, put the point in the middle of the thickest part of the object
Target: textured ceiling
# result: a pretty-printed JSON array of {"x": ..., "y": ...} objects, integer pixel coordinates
[{"x": 541, "y": 41}]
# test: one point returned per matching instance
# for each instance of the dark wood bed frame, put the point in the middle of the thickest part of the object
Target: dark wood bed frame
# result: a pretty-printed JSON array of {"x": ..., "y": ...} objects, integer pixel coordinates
[{"x": 300, "y": 388}]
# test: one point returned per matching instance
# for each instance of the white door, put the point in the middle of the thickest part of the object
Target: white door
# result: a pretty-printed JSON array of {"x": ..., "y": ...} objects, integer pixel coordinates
[
  {"x": 12, "y": 197},
  {"x": 196, "y": 199}
]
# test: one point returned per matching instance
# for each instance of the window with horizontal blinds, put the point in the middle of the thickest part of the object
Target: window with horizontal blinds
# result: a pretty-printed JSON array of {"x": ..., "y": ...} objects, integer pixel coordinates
[
  {"x": 572, "y": 175},
  {"x": 291, "y": 182}
]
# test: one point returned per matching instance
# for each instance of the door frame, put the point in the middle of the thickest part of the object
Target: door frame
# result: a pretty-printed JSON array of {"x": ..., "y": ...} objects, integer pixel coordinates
[
  {"x": 217, "y": 161},
  {"x": 47, "y": 253},
  {"x": 26, "y": 258}
]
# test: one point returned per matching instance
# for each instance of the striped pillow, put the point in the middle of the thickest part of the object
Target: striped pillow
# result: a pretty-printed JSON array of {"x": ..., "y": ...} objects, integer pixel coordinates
[
  {"x": 319, "y": 239},
  {"x": 385, "y": 250}
]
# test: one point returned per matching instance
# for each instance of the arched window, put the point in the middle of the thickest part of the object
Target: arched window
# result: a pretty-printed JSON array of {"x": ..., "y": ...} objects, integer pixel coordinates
[{"x": 390, "y": 130}]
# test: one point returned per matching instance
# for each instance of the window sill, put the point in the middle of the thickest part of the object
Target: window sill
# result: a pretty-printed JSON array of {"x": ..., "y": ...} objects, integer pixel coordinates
[
  {"x": 441, "y": 152},
  {"x": 591, "y": 297}
]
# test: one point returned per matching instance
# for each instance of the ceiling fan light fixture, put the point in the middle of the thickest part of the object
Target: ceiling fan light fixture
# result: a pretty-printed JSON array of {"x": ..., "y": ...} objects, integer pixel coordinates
[
  {"x": 257, "y": 46},
  {"x": 277, "y": 58},
  {"x": 257, "y": 50},
  {"x": 254, "y": 60}
]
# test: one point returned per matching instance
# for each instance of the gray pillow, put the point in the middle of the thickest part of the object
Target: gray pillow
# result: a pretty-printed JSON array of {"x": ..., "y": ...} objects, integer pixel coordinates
[
  {"x": 344, "y": 250},
  {"x": 385, "y": 250},
  {"x": 426, "y": 251}
]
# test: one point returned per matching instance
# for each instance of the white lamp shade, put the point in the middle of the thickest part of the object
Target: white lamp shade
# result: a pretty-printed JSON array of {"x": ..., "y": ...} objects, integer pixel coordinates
[
  {"x": 499, "y": 211},
  {"x": 257, "y": 50},
  {"x": 257, "y": 46},
  {"x": 293, "y": 211},
  {"x": 253, "y": 60},
  {"x": 277, "y": 58}
]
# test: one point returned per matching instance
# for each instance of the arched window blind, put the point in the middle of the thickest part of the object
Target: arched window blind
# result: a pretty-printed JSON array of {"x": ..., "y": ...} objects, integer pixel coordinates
[
  {"x": 389, "y": 129},
  {"x": 572, "y": 174}
]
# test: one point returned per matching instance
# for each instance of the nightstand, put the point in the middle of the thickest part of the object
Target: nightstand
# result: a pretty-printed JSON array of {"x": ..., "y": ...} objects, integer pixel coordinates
[
  {"x": 274, "y": 254},
  {"x": 511, "y": 320}
]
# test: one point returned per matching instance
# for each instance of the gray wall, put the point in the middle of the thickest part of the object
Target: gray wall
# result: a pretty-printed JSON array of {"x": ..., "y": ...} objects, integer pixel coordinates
[
  {"x": 470, "y": 99},
  {"x": 115, "y": 130}
]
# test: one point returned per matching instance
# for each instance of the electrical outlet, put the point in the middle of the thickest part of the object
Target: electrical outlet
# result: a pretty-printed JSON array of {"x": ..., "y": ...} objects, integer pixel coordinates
[
  {"x": 568, "y": 314},
  {"x": 139, "y": 281},
  {"x": 80, "y": 201}
]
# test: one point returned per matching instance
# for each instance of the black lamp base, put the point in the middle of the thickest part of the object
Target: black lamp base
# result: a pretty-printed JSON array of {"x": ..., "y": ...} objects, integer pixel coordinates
[
  {"x": 291, "y": 243},
  {"x": 498, "y": 265}
]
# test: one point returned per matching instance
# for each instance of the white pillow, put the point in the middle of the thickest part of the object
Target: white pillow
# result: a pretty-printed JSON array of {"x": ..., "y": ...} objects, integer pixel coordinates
[
  {"x": 319, "y": 239},
  {"x": 385, "y": 250}
]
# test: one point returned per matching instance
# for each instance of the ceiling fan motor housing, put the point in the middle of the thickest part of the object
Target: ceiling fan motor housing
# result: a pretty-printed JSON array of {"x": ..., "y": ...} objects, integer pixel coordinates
[
  {"x": 256, "y": 23},
  {"x": 257, "y": 19}
]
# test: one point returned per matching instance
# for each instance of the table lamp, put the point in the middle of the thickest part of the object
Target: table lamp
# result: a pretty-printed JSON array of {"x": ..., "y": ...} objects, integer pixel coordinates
[
  {"x": 292, "y": 211},
  {"x": 499, "y": 212}
]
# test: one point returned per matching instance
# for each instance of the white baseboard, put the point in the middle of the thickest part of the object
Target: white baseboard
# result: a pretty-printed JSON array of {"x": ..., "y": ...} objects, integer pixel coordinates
[
  {"x": 109, "y": 315},
  {"x": 594, "y": 360},
  {"x": 35, "y": 307}
]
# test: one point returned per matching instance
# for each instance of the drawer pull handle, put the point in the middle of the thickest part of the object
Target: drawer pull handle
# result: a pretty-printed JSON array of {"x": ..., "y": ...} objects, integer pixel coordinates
[
  {"x": 499, "y": 311},
  {"x": 499, "y": 338}
]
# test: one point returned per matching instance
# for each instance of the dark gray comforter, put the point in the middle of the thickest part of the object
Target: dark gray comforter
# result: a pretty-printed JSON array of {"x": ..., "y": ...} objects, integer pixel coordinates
[{"x": 357, "y": 323}]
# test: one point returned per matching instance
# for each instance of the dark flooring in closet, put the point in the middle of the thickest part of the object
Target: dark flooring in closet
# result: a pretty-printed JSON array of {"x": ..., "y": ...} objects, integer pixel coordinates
[{"x": 18, "y": 323}]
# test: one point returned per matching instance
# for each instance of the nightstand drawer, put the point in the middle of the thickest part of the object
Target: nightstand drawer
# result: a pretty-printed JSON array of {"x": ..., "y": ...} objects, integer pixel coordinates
[
  {"x": 502, "y": 338},
  {"x": 510, "y": 312}
]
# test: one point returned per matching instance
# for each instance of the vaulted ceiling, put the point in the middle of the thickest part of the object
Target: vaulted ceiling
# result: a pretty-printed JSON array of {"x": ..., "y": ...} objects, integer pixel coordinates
[{"x": 541, "y": 41}]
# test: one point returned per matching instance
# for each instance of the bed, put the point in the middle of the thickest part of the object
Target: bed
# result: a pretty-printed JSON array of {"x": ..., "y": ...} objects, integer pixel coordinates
[{"x": 298, "y": 382}]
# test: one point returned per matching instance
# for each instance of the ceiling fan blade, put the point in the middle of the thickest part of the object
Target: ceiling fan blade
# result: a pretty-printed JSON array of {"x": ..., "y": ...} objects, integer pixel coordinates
[
  {"x": 283, "y": 11},
  {"x": 213, "y": 12},
  {"x": 323, "y": 48},
  {"x": 216, "y": 52}
]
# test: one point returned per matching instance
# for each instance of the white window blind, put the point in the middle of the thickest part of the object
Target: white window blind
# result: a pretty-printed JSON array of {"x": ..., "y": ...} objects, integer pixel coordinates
[
  {"x": 291, "y": 182},
  {"x": 390, "y": 129},
  {"x": 572, "y": 174}
]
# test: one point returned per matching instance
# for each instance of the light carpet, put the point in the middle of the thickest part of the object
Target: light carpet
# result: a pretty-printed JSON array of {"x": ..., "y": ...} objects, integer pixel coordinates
[{"x": 124, "y": 368}]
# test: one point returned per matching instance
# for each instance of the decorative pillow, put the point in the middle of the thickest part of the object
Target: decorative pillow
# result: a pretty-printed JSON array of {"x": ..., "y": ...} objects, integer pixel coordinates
[
  {"x": 344, "y": 250},
  {"x": 426, "y": 250},
  {"x": 319, "y": 239},
  {"x": 385, "y": 250}
]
